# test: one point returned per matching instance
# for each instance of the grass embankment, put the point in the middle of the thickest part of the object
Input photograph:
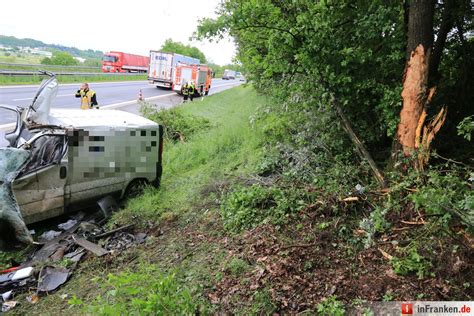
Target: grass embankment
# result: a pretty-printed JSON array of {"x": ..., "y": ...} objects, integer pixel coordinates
[{"x": 19, "y": 80}]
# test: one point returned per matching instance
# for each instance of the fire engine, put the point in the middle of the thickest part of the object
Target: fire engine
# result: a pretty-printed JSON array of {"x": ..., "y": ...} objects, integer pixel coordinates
[{"x": 201, "y": 75}]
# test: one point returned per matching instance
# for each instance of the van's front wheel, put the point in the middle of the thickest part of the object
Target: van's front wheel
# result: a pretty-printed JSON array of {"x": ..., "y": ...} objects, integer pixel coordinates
[{"x": 135, "y": 188}]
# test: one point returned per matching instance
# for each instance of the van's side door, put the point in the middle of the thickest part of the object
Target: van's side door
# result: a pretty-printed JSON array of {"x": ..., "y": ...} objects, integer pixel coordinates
[{"x": 40, "y": 189}]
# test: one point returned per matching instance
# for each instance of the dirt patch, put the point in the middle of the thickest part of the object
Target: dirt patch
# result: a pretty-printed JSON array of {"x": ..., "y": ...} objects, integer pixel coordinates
[{"x": 304, "y": 264}]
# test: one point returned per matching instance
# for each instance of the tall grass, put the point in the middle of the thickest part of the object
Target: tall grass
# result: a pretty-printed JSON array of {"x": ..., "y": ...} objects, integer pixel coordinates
[{"x": 230, "y": 144}]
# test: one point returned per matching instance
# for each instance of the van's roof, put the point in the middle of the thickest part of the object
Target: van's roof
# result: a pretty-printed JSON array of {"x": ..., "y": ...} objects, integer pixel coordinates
[{"x": 98, "y": 118}]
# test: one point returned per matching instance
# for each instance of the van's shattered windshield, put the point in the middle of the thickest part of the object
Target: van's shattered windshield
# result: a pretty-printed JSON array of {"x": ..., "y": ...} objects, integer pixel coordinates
[{"x": 12, "y": 226}]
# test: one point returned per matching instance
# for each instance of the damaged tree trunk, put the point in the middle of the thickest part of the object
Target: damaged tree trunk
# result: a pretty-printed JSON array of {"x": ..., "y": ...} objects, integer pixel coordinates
[
  {"x": 415, "y": 93},
  {"x": 414, "y": 96}
]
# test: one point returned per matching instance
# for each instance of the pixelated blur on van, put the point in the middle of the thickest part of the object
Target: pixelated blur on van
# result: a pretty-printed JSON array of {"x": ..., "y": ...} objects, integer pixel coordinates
[{"x": 76, "y": 157}]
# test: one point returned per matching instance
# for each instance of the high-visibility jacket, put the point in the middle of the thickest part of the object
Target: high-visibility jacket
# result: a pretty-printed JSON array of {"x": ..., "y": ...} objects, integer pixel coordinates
[
  {"x": 191, "y": 89},
  {"x": 88, "y": 98},
  {"x": 186, "y": 89}
]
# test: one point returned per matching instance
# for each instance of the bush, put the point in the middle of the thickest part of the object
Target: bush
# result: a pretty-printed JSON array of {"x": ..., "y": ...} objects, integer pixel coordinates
[
  {"x": 177, "y": 125},
  {"x": 411, "y": 263},
  {"x": 248, "y": 207},
  {"x": 331, "y": 306},
  {"x": 447, "y": 193},
  {"x": 60, "y": 58}
]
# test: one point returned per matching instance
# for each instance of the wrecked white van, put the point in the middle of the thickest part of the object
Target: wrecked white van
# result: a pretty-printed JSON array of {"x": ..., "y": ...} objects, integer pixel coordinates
[{"x": 68, "y": 159}]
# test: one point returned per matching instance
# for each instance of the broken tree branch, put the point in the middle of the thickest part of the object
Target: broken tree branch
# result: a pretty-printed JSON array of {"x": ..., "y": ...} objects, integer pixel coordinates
[{"x": 361, "y": 150}]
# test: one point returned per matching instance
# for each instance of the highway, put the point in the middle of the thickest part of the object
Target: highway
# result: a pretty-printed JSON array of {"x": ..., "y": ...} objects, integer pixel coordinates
[{"x": 121, "y": 95}]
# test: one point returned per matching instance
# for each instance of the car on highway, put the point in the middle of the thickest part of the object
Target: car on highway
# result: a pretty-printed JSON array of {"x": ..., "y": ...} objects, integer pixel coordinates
[
  {"x": 62, "y": 160},
  {"x": 228, "y": 75}
]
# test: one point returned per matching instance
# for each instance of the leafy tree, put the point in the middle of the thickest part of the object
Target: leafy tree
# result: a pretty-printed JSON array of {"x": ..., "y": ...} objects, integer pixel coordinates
[
  {"x": 60, "y": 58},
  {"x": 176, "y": 47},
  {"x": 353, "y": 51}
]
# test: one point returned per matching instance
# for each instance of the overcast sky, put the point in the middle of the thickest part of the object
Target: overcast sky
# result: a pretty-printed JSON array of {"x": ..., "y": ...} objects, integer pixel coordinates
[{"x": 135, "y": 26}]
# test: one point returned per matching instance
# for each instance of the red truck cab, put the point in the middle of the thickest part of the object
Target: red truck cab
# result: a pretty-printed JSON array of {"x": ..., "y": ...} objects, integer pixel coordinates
[{"x": 123, "y": 62}]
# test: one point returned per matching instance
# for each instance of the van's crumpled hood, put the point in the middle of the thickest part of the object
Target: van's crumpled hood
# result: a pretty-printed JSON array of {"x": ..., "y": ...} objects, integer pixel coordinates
[{"x": 11, "y": 163}]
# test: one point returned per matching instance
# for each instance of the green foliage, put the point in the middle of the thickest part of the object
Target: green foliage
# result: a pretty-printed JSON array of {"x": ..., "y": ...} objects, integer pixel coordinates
[
  {"x": 28, "y": 42},
  {"x": 6, "y": 258},
  {"x": 465, "y": 127},
  {"x": 60, "y": 58},
  {"x": 170, "y": 46},
  {"x": 248, "y": 207},
  {"x": 345, "y": 46},
  {"x": 177, "y": 125},
  {"x": 331, "y": 307},
  {"x": 144, "y": 292},
  {"x": 296, "y": 49},
  {"x": 447, "y": 193},
  {"x": 413, "y": 262}
]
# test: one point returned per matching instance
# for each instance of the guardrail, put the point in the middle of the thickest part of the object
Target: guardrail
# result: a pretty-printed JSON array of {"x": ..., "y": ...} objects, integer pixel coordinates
[
  {"x": 47, "y": 66},
  {"x": 35, "y": 73}
]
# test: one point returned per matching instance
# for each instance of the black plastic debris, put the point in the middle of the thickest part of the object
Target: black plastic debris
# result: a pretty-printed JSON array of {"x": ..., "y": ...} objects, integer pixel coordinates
[{"x": 50, "y": 278}]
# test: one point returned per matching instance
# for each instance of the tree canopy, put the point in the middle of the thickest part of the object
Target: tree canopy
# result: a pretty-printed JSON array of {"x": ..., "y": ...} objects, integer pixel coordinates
[
  {"x": 60, "y": 58},
  {"x": 171, "y": 46}
]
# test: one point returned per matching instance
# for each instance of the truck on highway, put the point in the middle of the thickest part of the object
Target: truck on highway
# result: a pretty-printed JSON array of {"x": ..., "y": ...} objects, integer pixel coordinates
[
  {"x": 123, "y": 62},
  {"x": 200, "y": 75},
  {"x": 228, "y": 74},
  {"x": 62, "y": 160},
  {"x": 163, "y": 66}
]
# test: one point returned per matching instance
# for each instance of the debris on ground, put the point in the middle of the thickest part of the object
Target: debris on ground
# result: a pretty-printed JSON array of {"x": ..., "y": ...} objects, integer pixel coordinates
[
  {"x": 6, "y": 306},
  {"x": 67, "y": 225},
  {"x": 94, "y": 248},
  {"x": 51, "y": 278},
  {"x": 80, "y": 237},
  {"x": 49, "y": 235}
]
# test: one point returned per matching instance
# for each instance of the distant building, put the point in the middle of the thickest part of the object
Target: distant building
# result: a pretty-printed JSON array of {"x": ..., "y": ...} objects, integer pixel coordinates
[
  {"x": 29, "y": 50},
  {"x": 80, "y": 59},
  {"x": 5, "y": 47}
]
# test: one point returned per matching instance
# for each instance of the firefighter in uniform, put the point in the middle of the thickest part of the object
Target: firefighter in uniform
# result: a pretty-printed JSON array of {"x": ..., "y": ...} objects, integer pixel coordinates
[
  {"x": 88, "y": 97},
  {"x": 185, "y": 92},
  {"x": 192, "y": 90}
]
